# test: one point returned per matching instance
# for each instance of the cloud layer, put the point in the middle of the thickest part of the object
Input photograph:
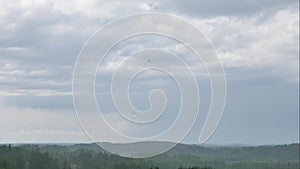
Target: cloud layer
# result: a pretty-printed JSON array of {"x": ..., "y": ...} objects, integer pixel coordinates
[{"x": 257, "y": 41}]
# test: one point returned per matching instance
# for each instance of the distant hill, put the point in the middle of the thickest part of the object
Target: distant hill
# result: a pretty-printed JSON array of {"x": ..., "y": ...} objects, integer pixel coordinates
[
  {"x": 232, "y": 153},
  {"x": 257, "y": 153}
]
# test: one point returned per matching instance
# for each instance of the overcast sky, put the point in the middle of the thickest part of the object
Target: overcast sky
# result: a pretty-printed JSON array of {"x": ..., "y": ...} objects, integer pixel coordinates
[{"x": 257, "y": 42}]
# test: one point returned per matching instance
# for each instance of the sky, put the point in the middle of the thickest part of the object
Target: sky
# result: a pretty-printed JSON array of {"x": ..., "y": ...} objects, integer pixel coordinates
[{"x": 256, "y": 41}]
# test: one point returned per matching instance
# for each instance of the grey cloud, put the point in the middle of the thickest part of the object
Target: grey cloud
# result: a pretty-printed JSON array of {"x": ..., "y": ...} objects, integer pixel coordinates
[
  {"x": 226, "y": 7},
  {"x": 261, "y": 108},
  {"x": 22, "y": 76}
]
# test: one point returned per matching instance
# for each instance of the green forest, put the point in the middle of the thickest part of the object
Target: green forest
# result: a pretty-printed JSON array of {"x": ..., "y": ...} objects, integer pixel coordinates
[{"x": 90, "y": 156}]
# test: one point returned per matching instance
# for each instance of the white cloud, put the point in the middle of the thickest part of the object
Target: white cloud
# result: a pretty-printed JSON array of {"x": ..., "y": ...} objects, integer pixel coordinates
[
  {"x": 42, "y": 136},
  {"x": 44, "y": 125},
  {"x": 247, "y": 42}
]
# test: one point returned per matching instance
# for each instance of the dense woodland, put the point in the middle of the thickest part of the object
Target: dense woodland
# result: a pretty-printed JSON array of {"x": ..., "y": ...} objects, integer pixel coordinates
[{"x": 90, "y": 156}]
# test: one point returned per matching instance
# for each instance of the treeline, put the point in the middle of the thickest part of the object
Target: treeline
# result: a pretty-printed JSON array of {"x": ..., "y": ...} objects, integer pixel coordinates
[
  {"x": 19, "y": 158},
  {"x": 88, "y": 157},
  {"x": 22, "y": 158}
]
